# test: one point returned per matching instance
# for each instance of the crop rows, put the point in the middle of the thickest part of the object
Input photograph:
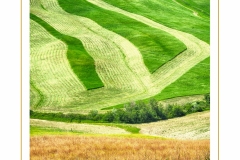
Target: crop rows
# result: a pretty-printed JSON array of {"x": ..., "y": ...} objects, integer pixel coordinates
[
  {"x": 116, "y": 148},
  {"x": 49, "y": 67},
  {"x": 118, "y": 62}
]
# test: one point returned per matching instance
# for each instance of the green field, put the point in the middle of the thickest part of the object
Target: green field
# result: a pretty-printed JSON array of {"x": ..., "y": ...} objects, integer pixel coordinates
[
  {"x": 119, "y": 79},
  {"x": 177, "y": 128},
  {"x": 88, "y": 54}
]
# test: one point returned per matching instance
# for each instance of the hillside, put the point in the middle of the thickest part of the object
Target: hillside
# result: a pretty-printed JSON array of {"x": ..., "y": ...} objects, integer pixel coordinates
[{"x": 93, "y": 54}]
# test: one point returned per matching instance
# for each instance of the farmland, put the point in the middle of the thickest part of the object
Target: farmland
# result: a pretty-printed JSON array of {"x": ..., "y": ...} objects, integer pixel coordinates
[
  {"x": 92, "y": 147},
  {"x": 96, "y": 64},
  {"x": 93, "y": 59}
]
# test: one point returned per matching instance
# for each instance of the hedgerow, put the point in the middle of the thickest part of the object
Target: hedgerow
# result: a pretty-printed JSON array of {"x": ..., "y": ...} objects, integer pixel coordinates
[{"x": 131, "y": 113}]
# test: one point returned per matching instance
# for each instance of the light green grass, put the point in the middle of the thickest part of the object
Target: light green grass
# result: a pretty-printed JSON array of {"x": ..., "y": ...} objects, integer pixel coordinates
[
  {"x": 37, "y": 130},
  {"x": 126, "y": 127},
  {"x": 195, "y": 81},
  {"x": 157, "y": 47},
  {"x": 41, "y": 131},
  {"x": 81, "y": 62},
  {"x": 104, "y": 97}
]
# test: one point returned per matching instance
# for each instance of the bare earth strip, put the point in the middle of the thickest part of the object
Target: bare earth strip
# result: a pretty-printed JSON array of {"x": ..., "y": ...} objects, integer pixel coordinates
[
  {"x": 85, "y": 128},
  {"x": 49, "y": 67},
  {"x": 126, "y": 78},
  {"x": 193, "y": 126}
]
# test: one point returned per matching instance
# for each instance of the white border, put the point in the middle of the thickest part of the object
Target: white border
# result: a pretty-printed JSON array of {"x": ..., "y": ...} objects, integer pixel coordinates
[
  {"x": 225, "y": 51},
  {"x": 214, "y": 79},
  {"x": 229, "y": 77},
  {"x": 26, "y": 79},
  {"x": 10, "y": 91}
]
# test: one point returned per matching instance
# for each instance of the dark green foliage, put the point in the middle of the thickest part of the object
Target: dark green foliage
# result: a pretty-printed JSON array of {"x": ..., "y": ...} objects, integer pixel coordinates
[
  {"x": 58, "y": 116},
  {"x": 81, "y": 62},
  {"x": 131, "y": 113},
  {"x": 207, "y": 98},
  {"x": 178, "y": 111}
]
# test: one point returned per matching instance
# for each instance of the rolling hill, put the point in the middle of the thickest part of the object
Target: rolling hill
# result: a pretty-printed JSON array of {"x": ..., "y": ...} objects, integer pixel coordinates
[{"x": 93, "y": 54}]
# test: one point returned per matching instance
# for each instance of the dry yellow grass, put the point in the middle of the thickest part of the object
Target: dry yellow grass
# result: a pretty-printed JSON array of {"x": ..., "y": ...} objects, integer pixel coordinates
[{"x": 102, "y": 148}]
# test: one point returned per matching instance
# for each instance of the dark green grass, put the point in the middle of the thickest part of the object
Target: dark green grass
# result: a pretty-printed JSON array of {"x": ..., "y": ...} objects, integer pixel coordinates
[
  {"x": 201, "y": 7},
  {"x": 195, "y": 82},
  {"x": 171, "y": 14},
  {"x": 157, "y": 47},
  {"x": 81, "y": 62}
]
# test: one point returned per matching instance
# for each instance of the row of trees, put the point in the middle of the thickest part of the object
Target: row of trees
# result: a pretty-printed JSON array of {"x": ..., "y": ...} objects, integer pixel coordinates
[{"x": 131, "y": 113}]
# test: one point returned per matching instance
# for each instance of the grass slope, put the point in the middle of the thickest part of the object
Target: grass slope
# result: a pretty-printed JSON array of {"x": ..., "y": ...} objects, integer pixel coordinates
[
  {"x": 157, "y": 47},
  {"x": 90, "y": 34},
  {"x": 192, "y": 126},
  {"x": 171, "y": 14},
  {"x": 81, "y": 62},
  {"x": 78, "y": 127},
  {"x": 197, "y": 80},
  {"x": 201, "y": 7},
  {"x": 50, "y": 72}
]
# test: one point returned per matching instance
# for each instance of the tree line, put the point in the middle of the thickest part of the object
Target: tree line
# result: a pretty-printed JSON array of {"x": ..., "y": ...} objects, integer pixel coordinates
[{"x": 131, "y": 113}]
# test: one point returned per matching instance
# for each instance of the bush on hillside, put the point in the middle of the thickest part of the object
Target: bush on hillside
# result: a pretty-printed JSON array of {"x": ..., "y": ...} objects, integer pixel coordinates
[{"x": 131, "y": 113}]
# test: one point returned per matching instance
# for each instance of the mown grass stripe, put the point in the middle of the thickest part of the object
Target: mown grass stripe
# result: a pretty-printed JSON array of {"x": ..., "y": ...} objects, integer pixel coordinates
[
  {"x": 113, "y": 54},
  {"x": 81, "y": 62},
  {"x": 152, "y": 43},
  {"x": 50, "y": 72},
  {"x": 95, "y": 99},
  {"x": 172, "y": 15}
]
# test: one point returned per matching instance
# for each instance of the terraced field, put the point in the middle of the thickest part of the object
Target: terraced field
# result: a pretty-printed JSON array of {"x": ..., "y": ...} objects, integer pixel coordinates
[{"x": 91, "y": 54}]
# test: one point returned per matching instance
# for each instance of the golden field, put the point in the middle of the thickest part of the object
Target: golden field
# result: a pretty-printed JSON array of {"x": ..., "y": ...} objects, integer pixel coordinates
[{"x": 116, "y": 148}]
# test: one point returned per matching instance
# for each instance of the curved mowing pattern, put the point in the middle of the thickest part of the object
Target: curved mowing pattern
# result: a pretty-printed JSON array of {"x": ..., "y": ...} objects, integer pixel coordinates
[
  {"x": 157, "y": 47},
  {"x": 50, "y": 70},
  {"x": 197, "y": 50},
  {"x": 104, "y": 46},
  {"x": 171, "y": 14},
  {"x": 81, "y": 63},
  {"x": 118, "y": 62}
]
